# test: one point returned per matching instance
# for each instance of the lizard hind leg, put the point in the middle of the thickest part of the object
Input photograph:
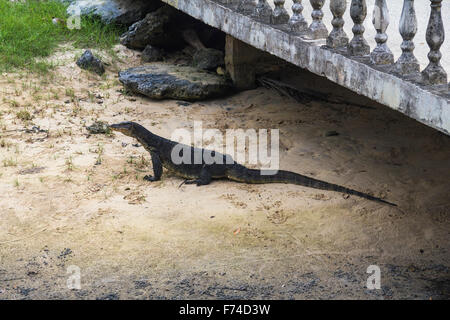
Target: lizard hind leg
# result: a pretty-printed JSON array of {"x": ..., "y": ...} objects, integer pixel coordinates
[
  {"x": 203, "y": 180},
  {"x": 150, "y": 178}
]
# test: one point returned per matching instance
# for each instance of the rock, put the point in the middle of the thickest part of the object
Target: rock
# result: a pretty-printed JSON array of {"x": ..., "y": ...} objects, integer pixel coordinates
[
  {"x": 208, "y": 59},
  {"x": 99, "y": 127},
  {"x": 114, "y": 11},
  {"x": 183, "y": 103},
  {"x": 211, "y": 37},
  {"x": 203, "y": 58},
  {"x": 156, "y": 30},
  {"x": 152, "y": 54},
  {"x": 89, "y": 62},
  {"x": 165, "y": 81}
]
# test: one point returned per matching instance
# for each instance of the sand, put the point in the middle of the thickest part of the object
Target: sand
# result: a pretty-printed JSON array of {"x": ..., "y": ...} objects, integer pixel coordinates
[{"x": 70, "y": 199}]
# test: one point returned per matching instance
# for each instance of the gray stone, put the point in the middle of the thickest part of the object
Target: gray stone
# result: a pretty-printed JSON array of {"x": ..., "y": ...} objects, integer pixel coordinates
[
  {"x": 166, "y": 81},
  {"x": 114, "y": 11},
  {"x": 89, "y": 62},
  {"x": 99, "y": 127},
  {"x": 152, "y": 54},
  {"x": 155, "y": 29},
  {"x": 208, "y": 59}
]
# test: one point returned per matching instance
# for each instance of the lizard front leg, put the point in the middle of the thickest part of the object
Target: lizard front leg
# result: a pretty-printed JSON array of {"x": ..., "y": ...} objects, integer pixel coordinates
[{"x": 157, "y": 168}]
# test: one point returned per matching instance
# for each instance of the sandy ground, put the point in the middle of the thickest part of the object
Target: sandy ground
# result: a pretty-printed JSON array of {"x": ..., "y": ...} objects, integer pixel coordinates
[{"x": 70, "y": 199}]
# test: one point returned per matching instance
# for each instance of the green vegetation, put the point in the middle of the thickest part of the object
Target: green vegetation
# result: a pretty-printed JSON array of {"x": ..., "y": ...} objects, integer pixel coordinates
[
  {"x": 24, "y": 115},
  {"x": 27, "y": 33}
]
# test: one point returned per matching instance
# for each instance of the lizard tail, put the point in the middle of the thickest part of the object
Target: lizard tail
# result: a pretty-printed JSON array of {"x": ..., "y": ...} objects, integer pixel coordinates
[{"x": 243, "y": 174}]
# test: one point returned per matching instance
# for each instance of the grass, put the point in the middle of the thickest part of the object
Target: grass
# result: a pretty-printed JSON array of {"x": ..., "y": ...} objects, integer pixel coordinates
[
  {"x": 9, "y": 162},
  {"x": 27, "y": 34},
  {"x": 24, "y": 115}
]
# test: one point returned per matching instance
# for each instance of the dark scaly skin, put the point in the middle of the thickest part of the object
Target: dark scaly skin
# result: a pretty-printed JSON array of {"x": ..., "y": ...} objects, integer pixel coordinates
[{"x": 160, "y": 150}]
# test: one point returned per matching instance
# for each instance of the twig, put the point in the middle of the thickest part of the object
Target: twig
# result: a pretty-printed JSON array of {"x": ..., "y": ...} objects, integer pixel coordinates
[
  {"x": 30, "y": 236},
  {"x": 303, "y": 96}
]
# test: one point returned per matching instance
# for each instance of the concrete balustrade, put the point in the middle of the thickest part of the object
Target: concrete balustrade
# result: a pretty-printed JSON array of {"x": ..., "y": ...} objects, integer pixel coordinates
[{"x": 381, "y": 61}]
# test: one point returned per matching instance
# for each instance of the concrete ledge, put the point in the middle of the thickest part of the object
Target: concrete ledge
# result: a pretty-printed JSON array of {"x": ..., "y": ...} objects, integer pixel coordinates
[{"x": 429, "y": 105}]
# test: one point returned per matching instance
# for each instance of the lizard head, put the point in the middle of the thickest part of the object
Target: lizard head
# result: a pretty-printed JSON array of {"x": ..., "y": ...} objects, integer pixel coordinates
[{"x": 127, "y": 128}]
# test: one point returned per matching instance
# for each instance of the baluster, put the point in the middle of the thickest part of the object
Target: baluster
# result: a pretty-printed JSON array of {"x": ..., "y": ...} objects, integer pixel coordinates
[
  {"x": 297, "y": 21},
  {"x": 279, "y": 15},
  {"x": 246, "y": 7},
  {"x": 337, "y": 37},
  {"x": 381, "y": 54},
  {"x": 358, "y": 46},
  {"x": 434, "y": 73},
  {"x": 317, "y": 29},
  {"x": 262, "y": 12},
  {"x": 407, "y": 63}
]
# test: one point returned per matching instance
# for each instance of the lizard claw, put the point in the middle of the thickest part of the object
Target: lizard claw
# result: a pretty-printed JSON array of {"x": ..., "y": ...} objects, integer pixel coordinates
[
  {"x": 150, "y": 178},
  {"x": 183, "y": 183},
  {"x": 190, "y": 182}
]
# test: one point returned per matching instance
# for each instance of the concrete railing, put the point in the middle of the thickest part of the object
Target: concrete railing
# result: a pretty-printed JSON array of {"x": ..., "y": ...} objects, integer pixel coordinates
[
  {"x": 385, "y": 74},
  {"x": 406, "y": 64}
]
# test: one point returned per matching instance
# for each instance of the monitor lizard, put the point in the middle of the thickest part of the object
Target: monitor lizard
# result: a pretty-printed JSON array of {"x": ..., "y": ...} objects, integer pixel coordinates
[{"x": 203, "y": 173}]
